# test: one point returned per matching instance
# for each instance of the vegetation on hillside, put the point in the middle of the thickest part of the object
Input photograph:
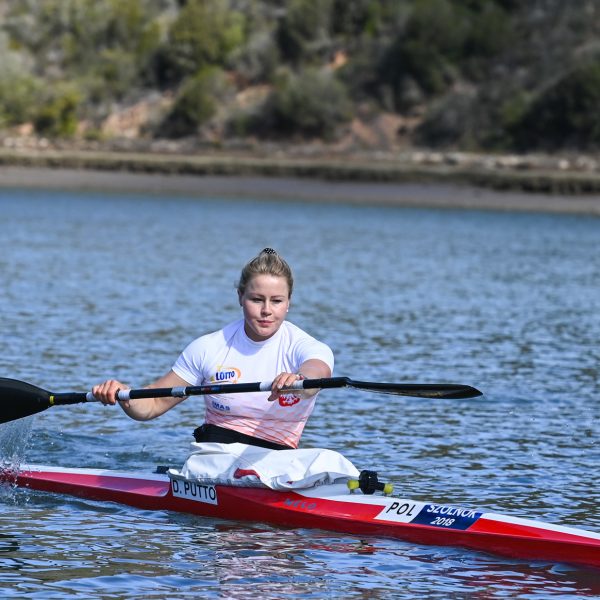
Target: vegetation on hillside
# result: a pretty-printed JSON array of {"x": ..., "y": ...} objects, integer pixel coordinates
[{"x": 470, "y": 74}]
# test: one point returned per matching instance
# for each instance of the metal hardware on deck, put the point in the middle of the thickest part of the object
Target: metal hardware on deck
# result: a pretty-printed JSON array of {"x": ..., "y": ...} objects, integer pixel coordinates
[{"x": 368, "y": 483}]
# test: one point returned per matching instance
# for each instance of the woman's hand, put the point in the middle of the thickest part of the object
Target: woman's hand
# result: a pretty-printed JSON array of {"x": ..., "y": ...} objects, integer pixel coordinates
[
  {"x": 107, "y": 392},
  {"x": 283, "y": 381},
  {"x": 310, "y": 369}
]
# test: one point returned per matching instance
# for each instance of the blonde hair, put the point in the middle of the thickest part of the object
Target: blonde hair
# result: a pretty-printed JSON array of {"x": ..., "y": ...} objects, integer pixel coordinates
[{"x": 268, "y": 262}]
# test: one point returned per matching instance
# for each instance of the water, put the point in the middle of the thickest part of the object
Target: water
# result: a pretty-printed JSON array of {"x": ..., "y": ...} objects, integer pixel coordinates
[{"x": 107, "y": 285}]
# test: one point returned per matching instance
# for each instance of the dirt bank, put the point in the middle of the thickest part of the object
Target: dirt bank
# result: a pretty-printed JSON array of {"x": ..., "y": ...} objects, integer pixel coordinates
[{"x": 447, "y": 184}]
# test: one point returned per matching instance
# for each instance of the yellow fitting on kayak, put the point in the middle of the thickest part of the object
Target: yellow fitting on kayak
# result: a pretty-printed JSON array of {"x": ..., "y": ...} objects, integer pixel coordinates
[
  {"x": 353, "y": 484},
  {"x": 51, "y": 401},
  {"x": 388, "y": 489}
]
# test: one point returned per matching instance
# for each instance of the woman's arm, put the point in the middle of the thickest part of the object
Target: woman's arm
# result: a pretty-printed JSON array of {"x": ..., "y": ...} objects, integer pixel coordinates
[{"x": 141, "y": 409}]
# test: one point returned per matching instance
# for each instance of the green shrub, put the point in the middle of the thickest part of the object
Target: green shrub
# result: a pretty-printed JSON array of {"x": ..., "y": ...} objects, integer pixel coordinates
[
  {"x": 115, "y": 70},
  {"x": 304, "y": 22},
  {"x": 489, "y": 30},
  {"x": 424, "y": 51},
  {"x": 564, "y": 115},
  {"x": 195, "y": 104},
  {"x": 203, "y": 34},
  {"x": 312, "y": 103},
  {"x": 58, "y": 115},
  {"x": 18, "y": 97},
  {"x": 363, "y": 17},
  {"x": 257, "y": 60},
  {"x": 441, "y": 41},
  {"x": 513, "y": 109},
  {"x": 78, "y": 38},
  {"x": 19, "y": 87}
]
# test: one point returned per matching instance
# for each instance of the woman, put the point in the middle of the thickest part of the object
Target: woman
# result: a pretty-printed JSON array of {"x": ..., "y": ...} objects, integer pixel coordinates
[{"x": 261, "y": 346}]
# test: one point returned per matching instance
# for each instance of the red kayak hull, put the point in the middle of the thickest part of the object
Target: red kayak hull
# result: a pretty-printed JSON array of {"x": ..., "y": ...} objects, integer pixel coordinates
[{"x": 331, "y": 508}]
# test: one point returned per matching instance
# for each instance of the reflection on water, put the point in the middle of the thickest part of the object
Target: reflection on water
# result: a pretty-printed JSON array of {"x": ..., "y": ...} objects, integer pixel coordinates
[{"x": 97, "y": 286}]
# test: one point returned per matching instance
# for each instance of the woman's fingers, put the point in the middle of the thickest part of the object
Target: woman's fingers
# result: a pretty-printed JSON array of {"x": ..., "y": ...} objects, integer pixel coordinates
[
  {"x": 283, "y": 381},
  {"x": 107, "y": 391}
]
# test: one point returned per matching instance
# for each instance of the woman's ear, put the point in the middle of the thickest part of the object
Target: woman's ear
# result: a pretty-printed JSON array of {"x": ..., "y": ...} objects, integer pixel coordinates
[{"x": 239, "y": 297}]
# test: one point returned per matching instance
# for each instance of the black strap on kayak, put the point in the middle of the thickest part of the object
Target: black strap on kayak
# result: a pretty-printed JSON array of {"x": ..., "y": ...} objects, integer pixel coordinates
[{"x": 213, "y": 433}]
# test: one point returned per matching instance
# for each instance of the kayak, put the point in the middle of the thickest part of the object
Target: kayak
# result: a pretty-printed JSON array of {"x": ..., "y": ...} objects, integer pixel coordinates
[{"x": 336, "y": 507}]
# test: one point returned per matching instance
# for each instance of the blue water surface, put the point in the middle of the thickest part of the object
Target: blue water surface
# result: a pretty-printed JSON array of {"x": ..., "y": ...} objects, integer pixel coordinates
[{"x": 98, "y": 285}]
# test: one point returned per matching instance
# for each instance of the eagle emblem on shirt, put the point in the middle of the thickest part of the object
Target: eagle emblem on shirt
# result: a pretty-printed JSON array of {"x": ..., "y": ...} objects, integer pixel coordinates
[{"x": 288, "y": 400}]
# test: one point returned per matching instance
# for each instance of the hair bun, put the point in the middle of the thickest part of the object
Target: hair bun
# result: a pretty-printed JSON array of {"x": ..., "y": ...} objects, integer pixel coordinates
[{"x": 268, "y": 262}]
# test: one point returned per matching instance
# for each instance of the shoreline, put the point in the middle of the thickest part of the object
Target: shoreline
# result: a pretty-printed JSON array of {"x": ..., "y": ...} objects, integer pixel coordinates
[{"x": 323, "y": 180}]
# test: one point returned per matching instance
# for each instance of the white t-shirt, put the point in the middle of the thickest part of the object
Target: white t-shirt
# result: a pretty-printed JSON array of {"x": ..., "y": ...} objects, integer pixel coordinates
[{"x": 230, "y": 356}]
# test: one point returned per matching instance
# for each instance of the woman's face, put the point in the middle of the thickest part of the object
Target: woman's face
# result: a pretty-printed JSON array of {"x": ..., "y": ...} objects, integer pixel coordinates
[{"x": 265, "y": 303}]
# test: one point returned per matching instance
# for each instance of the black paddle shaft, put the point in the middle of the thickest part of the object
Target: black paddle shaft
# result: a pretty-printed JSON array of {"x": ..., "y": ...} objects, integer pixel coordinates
[{"x": 20, "y": 399}]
